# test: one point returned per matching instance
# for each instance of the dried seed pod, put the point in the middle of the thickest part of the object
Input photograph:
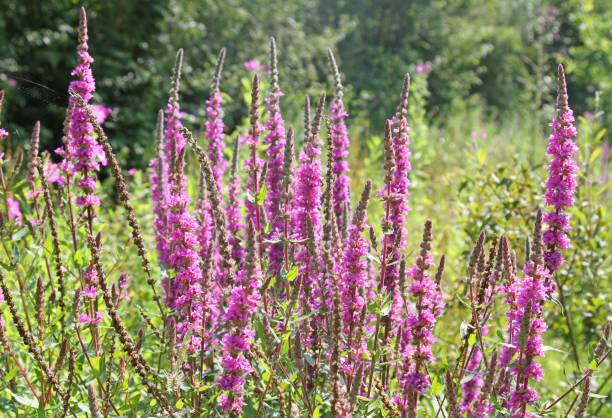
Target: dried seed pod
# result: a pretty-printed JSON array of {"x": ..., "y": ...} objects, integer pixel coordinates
[
  {"x": 307, "y": 122},
  {"x": 40, "y": 306},
  {"x": 440, "y": 271},
  {"x": 476, "y": 253},
  {"x": 451, "y": 396},
  {"x": 218, "y": 70},
  {"x": 584, "y": 398},
  {"x": 34, "y": 146},
  {"x": 536, "y": 256},
  {"x": 93, "y": 402}
]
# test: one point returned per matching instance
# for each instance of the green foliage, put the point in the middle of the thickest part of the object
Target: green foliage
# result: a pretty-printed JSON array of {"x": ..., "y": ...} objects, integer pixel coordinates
[{"x": 492, "y": 53}]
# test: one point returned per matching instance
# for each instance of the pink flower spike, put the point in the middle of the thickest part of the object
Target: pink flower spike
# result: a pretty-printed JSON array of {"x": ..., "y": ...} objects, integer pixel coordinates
[{"x": 561, "y": 184}]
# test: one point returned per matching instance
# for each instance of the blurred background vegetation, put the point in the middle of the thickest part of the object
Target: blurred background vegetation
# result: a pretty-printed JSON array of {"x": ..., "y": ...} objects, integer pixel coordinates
[
  {"x": 494, "y": 58},
  {"x": 482, "y": 97}
]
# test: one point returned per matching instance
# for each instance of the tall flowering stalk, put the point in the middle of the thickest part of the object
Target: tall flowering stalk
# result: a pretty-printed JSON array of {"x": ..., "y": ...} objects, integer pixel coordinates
[
  {"x": 173, "y": 141},
  {"x": 180, "y": 235},
  {"x": 561, "y": 184},
  {"x": 214, "y": 124},
  {"x": 340, "y": 145},
  {"x": 419, "y": 326},
  {"x": 232, "y": 210},
  {"x": 254, "y": 163},
  {"x": 526, "y": 326},
  {"x": 34, "y": 146},
  {"x": 213, "y": 128},
  {"x": 158, "y": 177},
  {"x": 353, "y": 286},
  {"x": 242, "y": 305},
  {"x": 398, "y": 188},
  {"x": 3, "y": 132},
  {"x": 306, "y": 203},
  {"x": 275, "y": 141},
  {"x": 82, "y": 154},
  {"x": 170, "y": 143},
  {"x": 395, "y": 196},
  {"x": 183, "y": 256}
]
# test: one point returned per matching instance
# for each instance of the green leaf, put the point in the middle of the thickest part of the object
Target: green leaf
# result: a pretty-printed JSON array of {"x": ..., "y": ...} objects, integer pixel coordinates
[
  {"x": 549, "y": 348},
  {"x": 387, "y": 229},
  {"x": 593, "y": 364},
  {"x": 472, "y": 339},
  {"x": 600, "y": 135},
  {"x": 261, "y": 195},
  {"x": 95, "y": 364},
  {"x": 482, "y": 156},
  {"x": 292, "y": 274},
  {"x": 11, "y": 375},
  {"x": 317, "y": 412},
  {"x": 596, "y": 153},
  {"x": 20, "y": 234},
  {"x": 179, "y": 404},
  {"x": 436, "y": 387},
  {"x": 23, "y": 400}
]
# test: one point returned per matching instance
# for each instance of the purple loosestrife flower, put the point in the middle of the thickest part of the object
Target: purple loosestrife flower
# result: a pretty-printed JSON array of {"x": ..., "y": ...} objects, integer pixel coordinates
[
  {"x": 354, "y": 282},
  {"x": 91, "y": 316},
  {"x": 306, "y": 204},
  {"x": 561, "y": 184},
  {"x": 398, "y": 204},
  {"x": 181, "y": 227},
  {"x": 213, "y": 128},
  {"x": 242, "y": 305},
  {"x": 526, "y": 327},
  {"x": 420, "y": 323},
  {"x": 170, "y": 145},
  {"x": 173, "y": 142},
  {"x": 183, "y": 256},
  {"x": 340, "y": 145},
  {"x": 275, "y": 141},
  {"x": 82, "y": 153}
]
